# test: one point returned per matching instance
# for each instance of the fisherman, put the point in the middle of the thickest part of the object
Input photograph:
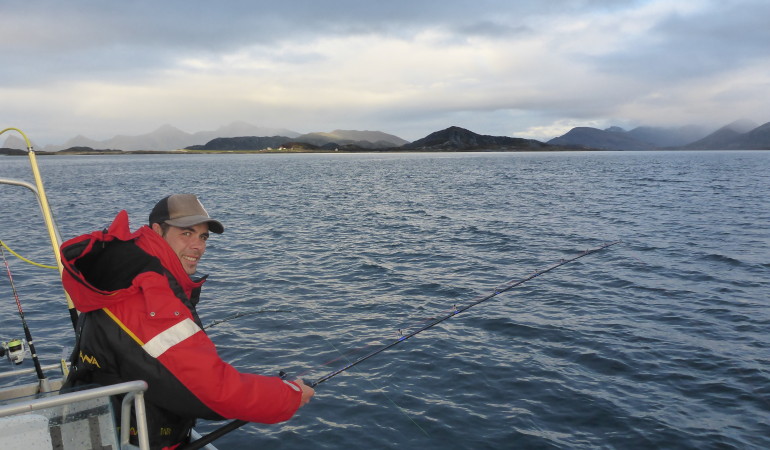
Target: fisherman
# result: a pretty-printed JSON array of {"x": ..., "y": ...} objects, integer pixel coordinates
[{"x": 137, "y": 297}]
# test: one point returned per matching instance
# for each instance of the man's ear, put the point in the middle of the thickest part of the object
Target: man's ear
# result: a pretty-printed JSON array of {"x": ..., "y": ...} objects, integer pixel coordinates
[{"x": 157, "y": 228}]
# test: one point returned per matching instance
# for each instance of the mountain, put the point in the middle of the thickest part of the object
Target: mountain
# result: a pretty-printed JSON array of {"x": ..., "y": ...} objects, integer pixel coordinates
[
  {"x": 77, "y": 141},
  {"x": 349, "y": 139},
  {"x": 731, "y": 136},
  {"x": 614, "y": 138},
  {"x": 741, "y": 134},
  {"x": 15, "y": 142},
  {"x": 756, "y": 139},
  {"x": 742, "y": 125},
  {"x": 164, "y": 138},
  {"x": 450, "y": 139},
  {"x": 240, "y": 128},
  {"x": 168, "y": 137},
  {"x": 460, "y": 139},
  {"x": 668, "y": 136},
  {"x": 242, "y": 143},
  {"x": 363, "y": 139},
  {"x": 12, "y": 151}
]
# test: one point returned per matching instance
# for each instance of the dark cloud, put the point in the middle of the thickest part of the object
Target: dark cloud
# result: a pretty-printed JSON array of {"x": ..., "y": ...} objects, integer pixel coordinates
[
  {"x": 698, "y": 45},
  {"x": 95, "y": 38}
]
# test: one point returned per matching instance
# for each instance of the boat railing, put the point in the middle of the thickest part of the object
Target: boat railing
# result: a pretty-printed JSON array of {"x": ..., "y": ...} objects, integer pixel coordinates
[
  {"x": 75, "y": 420},
  {"x": 19, "y": 372},
  {"x": 31, "y": 187}
]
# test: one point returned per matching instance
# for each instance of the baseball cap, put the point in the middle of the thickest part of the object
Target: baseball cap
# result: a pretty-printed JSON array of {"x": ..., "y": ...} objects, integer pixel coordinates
[{"x": 183, "y": 210}]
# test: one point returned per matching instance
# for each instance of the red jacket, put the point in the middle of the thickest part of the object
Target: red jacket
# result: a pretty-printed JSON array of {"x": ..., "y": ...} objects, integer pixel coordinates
[{"x": 140, "y": 322}]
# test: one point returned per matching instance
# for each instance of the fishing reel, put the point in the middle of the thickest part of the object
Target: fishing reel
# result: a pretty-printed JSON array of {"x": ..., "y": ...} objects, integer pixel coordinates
[{"x": 14, "y": 350}]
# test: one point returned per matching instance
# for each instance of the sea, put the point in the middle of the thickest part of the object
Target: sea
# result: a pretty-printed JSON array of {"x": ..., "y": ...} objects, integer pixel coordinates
[{"x": 661, "y": 341}]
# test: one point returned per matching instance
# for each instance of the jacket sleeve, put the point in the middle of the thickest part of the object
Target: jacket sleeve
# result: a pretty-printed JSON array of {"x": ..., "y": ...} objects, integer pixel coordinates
[{"x": 182, "y": 367}]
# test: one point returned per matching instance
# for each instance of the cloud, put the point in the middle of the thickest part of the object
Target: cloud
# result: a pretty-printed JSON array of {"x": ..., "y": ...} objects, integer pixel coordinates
[{"x": 408, "y": 68}]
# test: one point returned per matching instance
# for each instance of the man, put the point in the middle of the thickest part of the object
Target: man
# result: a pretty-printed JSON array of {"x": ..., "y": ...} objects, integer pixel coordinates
[{"x": 139, "y": 322}]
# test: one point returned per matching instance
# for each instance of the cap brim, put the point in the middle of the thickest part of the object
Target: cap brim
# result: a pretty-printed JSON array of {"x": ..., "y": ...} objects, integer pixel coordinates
[{"x": 191, "y": 221}]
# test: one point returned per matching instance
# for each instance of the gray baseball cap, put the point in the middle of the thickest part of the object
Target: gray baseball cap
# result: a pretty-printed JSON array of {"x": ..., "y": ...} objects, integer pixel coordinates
[{"x": 183, "y": 210}]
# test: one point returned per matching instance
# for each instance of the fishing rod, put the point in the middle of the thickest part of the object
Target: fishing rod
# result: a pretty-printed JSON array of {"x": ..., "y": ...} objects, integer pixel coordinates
[
  {"x": 507, "y": 286},
  {"x": 498, "y": 290},
  {"x": 44, "y": 386}
]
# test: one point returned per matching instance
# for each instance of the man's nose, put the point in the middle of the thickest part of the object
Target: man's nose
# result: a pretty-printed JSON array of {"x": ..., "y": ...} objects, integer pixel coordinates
[{"x": 199, "y": 244}]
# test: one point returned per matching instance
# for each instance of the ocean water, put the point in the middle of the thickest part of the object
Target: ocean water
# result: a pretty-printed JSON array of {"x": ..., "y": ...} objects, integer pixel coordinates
[{"x": 661, "y": 341}]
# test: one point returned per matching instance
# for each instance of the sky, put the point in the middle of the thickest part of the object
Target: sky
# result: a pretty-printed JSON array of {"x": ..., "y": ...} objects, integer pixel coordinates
[{"x": 526, "y": 68}]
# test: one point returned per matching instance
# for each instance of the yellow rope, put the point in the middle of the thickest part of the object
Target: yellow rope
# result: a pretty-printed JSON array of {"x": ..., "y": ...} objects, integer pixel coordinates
[{"x": 25, "y": 259}]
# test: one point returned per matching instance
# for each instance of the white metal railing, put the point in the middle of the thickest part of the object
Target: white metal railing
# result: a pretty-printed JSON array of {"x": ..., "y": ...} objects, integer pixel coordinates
[
  {"x": 134, "y": 391},
  {"x": 18, "y": 372}
]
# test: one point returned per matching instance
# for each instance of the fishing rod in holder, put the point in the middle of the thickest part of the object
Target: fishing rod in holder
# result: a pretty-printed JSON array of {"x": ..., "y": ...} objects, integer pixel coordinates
[
  {"x": 507, "y": 286},
  {"x": 44, "y": 385}
]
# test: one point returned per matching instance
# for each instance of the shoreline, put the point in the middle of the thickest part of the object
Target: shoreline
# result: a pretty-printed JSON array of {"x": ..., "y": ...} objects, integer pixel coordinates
[{"x": 16, "y": 152}]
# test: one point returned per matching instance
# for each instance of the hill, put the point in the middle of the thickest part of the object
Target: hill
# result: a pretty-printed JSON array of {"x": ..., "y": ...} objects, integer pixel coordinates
[
  {"x": 15, "y": 142},
  {"x": 459, "y": 139},
  {"x": 168, "y": 137},
  {"x": 12, "y": 151},
  {"x": 451, "y": 139},
  {"x": 338, "y": 139},
  {"x": 236, "y": 136},
  {"x": 610, "y": 139},
  {"x": 741, "y": 134},
  {"x": 756, "y": 139},
  {"x": 363, "y": 139},
  {"x": 668, "y": 136},
  {"x": 242, "y": 143},
  {"x": 240, "y": 128}
]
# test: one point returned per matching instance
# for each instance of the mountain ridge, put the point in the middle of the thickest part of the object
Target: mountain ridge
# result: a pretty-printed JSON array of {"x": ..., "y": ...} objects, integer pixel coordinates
[
  {"x": 167, "y": 137},
  {"x": 729, "y": 137},
  {"x": 350, "y": 139},
  {"x": 742, "y": 134},
  {"x": 613, "y": 138}
]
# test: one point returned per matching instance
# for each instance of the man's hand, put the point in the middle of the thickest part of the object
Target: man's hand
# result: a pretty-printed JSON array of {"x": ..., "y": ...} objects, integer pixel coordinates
[{"x": 307, "y": 392}]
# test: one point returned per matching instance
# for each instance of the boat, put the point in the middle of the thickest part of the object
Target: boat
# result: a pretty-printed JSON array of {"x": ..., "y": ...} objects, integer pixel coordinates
[{"x": 37, "y": 415}]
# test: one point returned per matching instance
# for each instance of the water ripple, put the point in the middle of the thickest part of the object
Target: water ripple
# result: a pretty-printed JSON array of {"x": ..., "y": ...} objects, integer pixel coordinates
[{"x": 660, "y": 342}]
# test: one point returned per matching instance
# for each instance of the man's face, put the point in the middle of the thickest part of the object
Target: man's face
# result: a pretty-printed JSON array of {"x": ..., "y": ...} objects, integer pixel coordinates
[{"x": 189, "y": 243}]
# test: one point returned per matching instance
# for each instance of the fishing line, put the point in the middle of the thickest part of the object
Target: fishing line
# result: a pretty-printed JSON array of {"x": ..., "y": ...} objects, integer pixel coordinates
[
  {"x": 235, "y": 424},
  {"x": 497, "y": 291},
  {"x": 374, "y": 341},
  {"x": 344, "y": 356},
  {"x": 244, "y": 314},
  {"x": 375, "y": 388},
  {"x": 28, "y": 335}
]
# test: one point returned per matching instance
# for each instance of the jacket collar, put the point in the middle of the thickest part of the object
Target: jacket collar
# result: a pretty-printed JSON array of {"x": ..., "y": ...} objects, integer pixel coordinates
[{"x": 154, "y": 244}]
